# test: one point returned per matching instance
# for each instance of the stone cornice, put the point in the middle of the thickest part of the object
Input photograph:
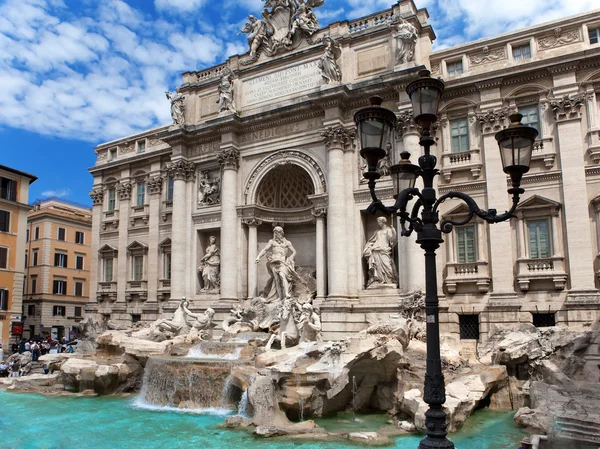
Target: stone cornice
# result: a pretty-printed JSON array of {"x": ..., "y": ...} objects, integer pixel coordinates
[
  {"x": 466, "y": 187},
  {"x": 538, "y": 177},
  {"x": 253, "y": 212},
  {"x": 364, "y": 196}
]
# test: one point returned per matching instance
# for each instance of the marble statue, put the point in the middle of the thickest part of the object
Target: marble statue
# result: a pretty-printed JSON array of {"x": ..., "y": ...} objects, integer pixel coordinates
[
  {"x": 226, "y": 100},
  {"x": 163, "y": 329},
  {"x": 379, "y": 254},
  {"x": 257, "y": 34},
  {"x": 406, "y": 40},
  {"x": 305, "y": 21},
  {"x": 210, "y": 266},
  {"x": 287, "y": 334},
  {"x": 208, "y": 190},
  {"x": 309, "y": 324},
  {"x": 330, "y": 69},
  {"x": 280, "y": 265},
  {"x": 177, "y": 107},
  {"x": 202, "y": 327}
]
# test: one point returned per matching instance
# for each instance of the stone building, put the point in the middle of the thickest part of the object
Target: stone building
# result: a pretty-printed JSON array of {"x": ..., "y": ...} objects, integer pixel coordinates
[
  {"x": 268, "y": 138},
  {"x": 57, "y": 273},
  {"x": 14, "y": 194}
]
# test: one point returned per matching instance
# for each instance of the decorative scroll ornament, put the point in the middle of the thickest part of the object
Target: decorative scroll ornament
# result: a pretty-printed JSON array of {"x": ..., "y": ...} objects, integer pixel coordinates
[
  {"x": 282, "y": 27},
  {"x": 124, "y": 190},
  {"x": 338, "y": 136},
  {"x": 97, "y": 196},
  {"x": 488, "y": 56},
  {"x": 492, "y": 121},
  {"x": 252, "y": 222},
  {"x": 181, "y": 169},
  {"x": 229, "y": 159},
  {"x": 559, "y": 38},
  {"x": 154, "y": 185},
  {"x": 567, "y": 107}
]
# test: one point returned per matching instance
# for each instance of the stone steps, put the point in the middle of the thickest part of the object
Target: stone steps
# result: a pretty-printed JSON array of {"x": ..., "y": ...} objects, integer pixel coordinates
[{"x": 577, "y": 429}]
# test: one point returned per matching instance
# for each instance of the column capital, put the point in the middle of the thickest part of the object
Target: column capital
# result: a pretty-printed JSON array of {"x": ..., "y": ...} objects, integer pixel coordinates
[
  {"x": 124, "y": 190},
  {"x": 338, "y": 137},
  {"x": 181, "y": 169},
  {"x": 155, "y": 185},
  {"x": 406, "y": 123},
  {"x": 319, "y": 212},
  {"x": 252, "y": 222},
  {"x": 493, "y": 120},
  {"x": 97, "y": 196},
  {"x": 568, "y": 107},
  {"x": 229, "y": 159}
]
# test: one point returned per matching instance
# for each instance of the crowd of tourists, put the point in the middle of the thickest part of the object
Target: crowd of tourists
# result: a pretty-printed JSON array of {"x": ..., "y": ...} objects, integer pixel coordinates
[{"x": 37, "y": 348}]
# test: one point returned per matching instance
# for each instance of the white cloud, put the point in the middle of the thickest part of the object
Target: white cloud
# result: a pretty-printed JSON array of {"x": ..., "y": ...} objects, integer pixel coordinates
[
  {"x": 62, "y": 193},
  {"x": 178, "y": 5}
]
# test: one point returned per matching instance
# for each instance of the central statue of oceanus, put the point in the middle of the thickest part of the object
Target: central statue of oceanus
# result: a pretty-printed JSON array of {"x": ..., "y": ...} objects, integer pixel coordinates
[{"x": 282, "y": 26}]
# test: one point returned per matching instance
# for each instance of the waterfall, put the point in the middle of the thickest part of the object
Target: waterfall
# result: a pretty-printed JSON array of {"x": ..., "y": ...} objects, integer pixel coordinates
[
  {"x": 301, "y": 400},
  {"x": 208, "y": 351},
  {"x": 243, "y": 405}
]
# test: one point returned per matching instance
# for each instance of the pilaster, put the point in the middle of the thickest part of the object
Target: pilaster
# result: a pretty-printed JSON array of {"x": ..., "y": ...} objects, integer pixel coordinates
[
  {"x": 97, "y": 196},
  {"x": 154, "y": 185},
  {"x": 253, "y": 224},
  {"x": 122, "y": 270}
]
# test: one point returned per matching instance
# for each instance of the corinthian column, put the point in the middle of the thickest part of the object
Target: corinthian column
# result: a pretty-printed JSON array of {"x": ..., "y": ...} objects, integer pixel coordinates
[
  {"x": 181, "y": 171},
  {"x": 337, "y": 139},
  {"x": 229, "y": 160}
]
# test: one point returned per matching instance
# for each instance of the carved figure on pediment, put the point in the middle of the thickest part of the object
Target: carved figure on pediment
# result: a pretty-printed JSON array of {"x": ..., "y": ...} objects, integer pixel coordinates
[
  {"x": 330, "y": 69},
  {"x": 406, "y": 40},
  {"x": 379, "y": 254},
  {"x": 226, "y": 94},
  {"x": 208, "y": 190},
  {"x": 177, "y": 107},
  {"x": 280, "y": 265},
  {"x": 257, "y": 34},
  {"x": 210, "y": 266}
]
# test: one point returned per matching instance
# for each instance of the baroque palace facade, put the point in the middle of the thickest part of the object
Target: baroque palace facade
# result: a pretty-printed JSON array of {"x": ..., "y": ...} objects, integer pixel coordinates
[{"x": 268, "y": 139}]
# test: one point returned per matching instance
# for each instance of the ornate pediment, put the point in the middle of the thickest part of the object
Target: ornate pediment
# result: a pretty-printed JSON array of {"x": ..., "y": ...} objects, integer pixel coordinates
[
  {"x": 137, "y": 246},
  {"x": 539, "y": 202},
  {"x": 108, "y": 250}
]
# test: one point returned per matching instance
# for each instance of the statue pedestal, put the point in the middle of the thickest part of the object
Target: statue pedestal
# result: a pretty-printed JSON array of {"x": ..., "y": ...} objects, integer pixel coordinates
[{"x": 404, "y": 66}]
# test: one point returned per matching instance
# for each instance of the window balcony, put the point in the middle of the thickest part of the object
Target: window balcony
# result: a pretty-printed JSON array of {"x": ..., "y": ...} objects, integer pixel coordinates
[
  {"x": 139, "y": 215},
  {"x": 476, "y": 274},
  {"x": 136, "y": 290},
  {"x": 548, "y": 269},
  {"x": 593, "y": 140},
  {"x": 543, "y": 150},
  {"x": 110, "y": 220},
  {"x": 464, "y": 160},
  {"x": 107, "y": 291}
]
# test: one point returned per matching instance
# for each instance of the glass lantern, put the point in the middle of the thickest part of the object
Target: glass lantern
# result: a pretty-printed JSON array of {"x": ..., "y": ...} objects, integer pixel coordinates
[{"x": 516, "y": 146}]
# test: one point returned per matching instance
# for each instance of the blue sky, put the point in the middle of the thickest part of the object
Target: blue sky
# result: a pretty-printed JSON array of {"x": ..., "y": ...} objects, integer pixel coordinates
[{"x": 75, "y": 73}]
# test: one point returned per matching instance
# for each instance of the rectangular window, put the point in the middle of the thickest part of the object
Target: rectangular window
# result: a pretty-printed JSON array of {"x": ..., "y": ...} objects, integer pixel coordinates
[
  {"x": 544, "y": 319},
  {"x": 531, "y": 116},
  {"x": 141, "y": 146},
  {"x": 36, "y": 233},
  {"x": 79, "y": 237},
  {"x": 521, "y": 52},
  {"x": 34, "y": 262},
  {"x": 27, "y": 235},
  {"x": 108, "y": 270},
  {"x": 465, "y": 244},
  {"x": 77, "y": 311},
  {"x": 79, "y": 262},
  {"x": 170, "y": 186},
  {"x": 26, "y": 260},
  {"x": 141, "y": 193},
  {"x": 454, "y": 68},
  {"x": 59, "y": 310},
  {"x": 4, "y": 221},
  {"x": 469, "y": 327},
  {"x": 594, "y": 34},
  {"x": 112, "y": 154},
  {"x": 168, "y": 266},
  {"x": 60, "y": 260},
  {"x": 3, "y": 299},
  {"x": 31, "y": 310},
  {"x": 459, "y": 130},
  {"x": 539, "y": 239},
  {"x": 111, "y": 199},
  {"x": 59, "y": 287},
  {"x": 62, "y": 234},
  {"x": 138, "y": 268},
  {"x": 136, "y": 318},
  {"x": 33, "y": 285},
  {"x": 78, "y": 288},
  {"x": 8, "y": 189},
  {"x": 3, "y": 258}
]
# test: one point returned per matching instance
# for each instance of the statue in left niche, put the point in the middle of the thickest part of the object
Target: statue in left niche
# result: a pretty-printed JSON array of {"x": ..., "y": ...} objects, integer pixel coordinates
[
  {"x": 208, "y": 190},
  {"x": 226, "y": 94},
  {"x": 177, "y": 107},
  {"x": 210, "y": 266}
]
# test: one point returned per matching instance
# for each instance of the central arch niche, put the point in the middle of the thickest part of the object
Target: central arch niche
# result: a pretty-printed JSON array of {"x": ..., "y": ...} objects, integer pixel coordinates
[{"x": 286, "y": 186}]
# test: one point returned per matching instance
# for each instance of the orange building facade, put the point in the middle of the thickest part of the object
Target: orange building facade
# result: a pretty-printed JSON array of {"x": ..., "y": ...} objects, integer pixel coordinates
[
  {"x": 14, "y": 196},
  {"x": 58, "y": 268}
]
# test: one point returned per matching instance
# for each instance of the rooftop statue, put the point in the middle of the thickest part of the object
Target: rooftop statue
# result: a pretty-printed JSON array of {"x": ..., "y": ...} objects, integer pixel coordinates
[
  {"x": 177, "y": 107},
  {"x": 406, "y": 40}
]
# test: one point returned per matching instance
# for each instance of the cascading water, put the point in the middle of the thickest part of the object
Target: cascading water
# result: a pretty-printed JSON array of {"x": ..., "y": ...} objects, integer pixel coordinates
[
  {"x": 301, "y": 400},
  {"x": 243, "y": 405}
]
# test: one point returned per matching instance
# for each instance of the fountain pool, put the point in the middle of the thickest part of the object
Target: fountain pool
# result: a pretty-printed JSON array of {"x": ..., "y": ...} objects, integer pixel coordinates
[{"x": 38, "y": 422}]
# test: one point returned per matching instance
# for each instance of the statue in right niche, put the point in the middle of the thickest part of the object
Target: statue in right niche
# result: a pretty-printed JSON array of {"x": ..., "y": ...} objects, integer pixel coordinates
[{"x": 379, "y": 252}]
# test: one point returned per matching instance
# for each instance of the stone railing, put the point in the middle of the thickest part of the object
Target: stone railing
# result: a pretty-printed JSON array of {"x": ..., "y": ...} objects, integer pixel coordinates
[
  {"x": 550, "y": 269},
  {"x": 465, "y": 160},
  {"x": 540, "y": 265},
  {"x": 543, "y": 149},
  {"x": 466, "y": 269},
  {"x": 463, "y": 157},
  {"x": 137, "y": 285},
  {"x": 205, "y": 75},
  {"x": 373, "y": 21},
  {"x": 165, "y": 284},
  {"x": 475, "y": 275}
]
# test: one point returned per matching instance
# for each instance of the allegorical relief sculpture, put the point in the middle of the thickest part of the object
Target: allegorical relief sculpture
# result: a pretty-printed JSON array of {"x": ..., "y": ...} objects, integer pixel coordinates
[
  {"x": 406, "y": 41},
  {"x": 379, "y": 254},
  {"x": 284, "y": 23},
  {"x": 208, "y": 190},
  {"x": 330, "y": 69},
  {"x": 210, "y": 266},
  {"x": 177, "y": 107},
  {"x": 225, "y": 100}
]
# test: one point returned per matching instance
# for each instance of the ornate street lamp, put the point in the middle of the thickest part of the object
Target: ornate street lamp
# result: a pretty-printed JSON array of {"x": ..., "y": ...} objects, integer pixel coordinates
[{"x": 516, "y": 145}]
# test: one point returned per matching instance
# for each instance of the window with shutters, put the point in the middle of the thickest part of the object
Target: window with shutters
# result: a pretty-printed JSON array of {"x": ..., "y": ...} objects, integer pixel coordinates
[
  {"x": 170, "y": 187},
  {"x": 138, "y": 268},
  {"x": 33, "y": 285},
  {"x": 27, "y": 235},
  {"x": 110, "y": 195},
  {"x": 60, "y": 260},
  {"x": 79, "y": 237},
  {"x": 3, "y": 299},
  {"x": 469, "y": 327},
  {"x": 62, "y": 234},
  {"x": 594, "y": 35},
  {"x": 4, "y": 221},
  {"x": 59, "y": 310},
  {"x": 34, "y": 260},
  {"x": 8, "y": 189},
  {"x": 168, "y": 266},
  {"x": 3, "y": 258},
  {"x": 141, "y": 193},
  {"x": 539, "y": 239},
  {"x": 77, "y": 312},
  {"x": 107, "y": 269},
  {"x": 36, "y": 233},
  {"x": 454, "y": 68},
  {"x": 459, "y": 132},
  {"x": 79, "y": 262},
  {"x": 59, "y": 287},
  {"x": 531, "y": 116},
  {"x": 141, "y": 146},
  {"x": 78, "y": 288},
  {"x": 465, "y": 244},
  {"x": 31, "y": 310},
  {"x": 521, "y": 52}
]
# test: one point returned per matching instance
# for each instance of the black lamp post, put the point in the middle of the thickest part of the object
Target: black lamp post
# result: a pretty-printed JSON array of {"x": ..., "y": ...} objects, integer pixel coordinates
[{"x": 375, "y": 125}]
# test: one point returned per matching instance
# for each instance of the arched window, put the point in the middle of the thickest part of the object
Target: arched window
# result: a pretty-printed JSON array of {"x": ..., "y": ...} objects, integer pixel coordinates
[{"x": 285, "y": 187}]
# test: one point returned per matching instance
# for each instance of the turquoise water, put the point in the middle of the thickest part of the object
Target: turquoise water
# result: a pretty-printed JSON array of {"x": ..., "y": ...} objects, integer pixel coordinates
[{"x": 37, "y": 422}]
